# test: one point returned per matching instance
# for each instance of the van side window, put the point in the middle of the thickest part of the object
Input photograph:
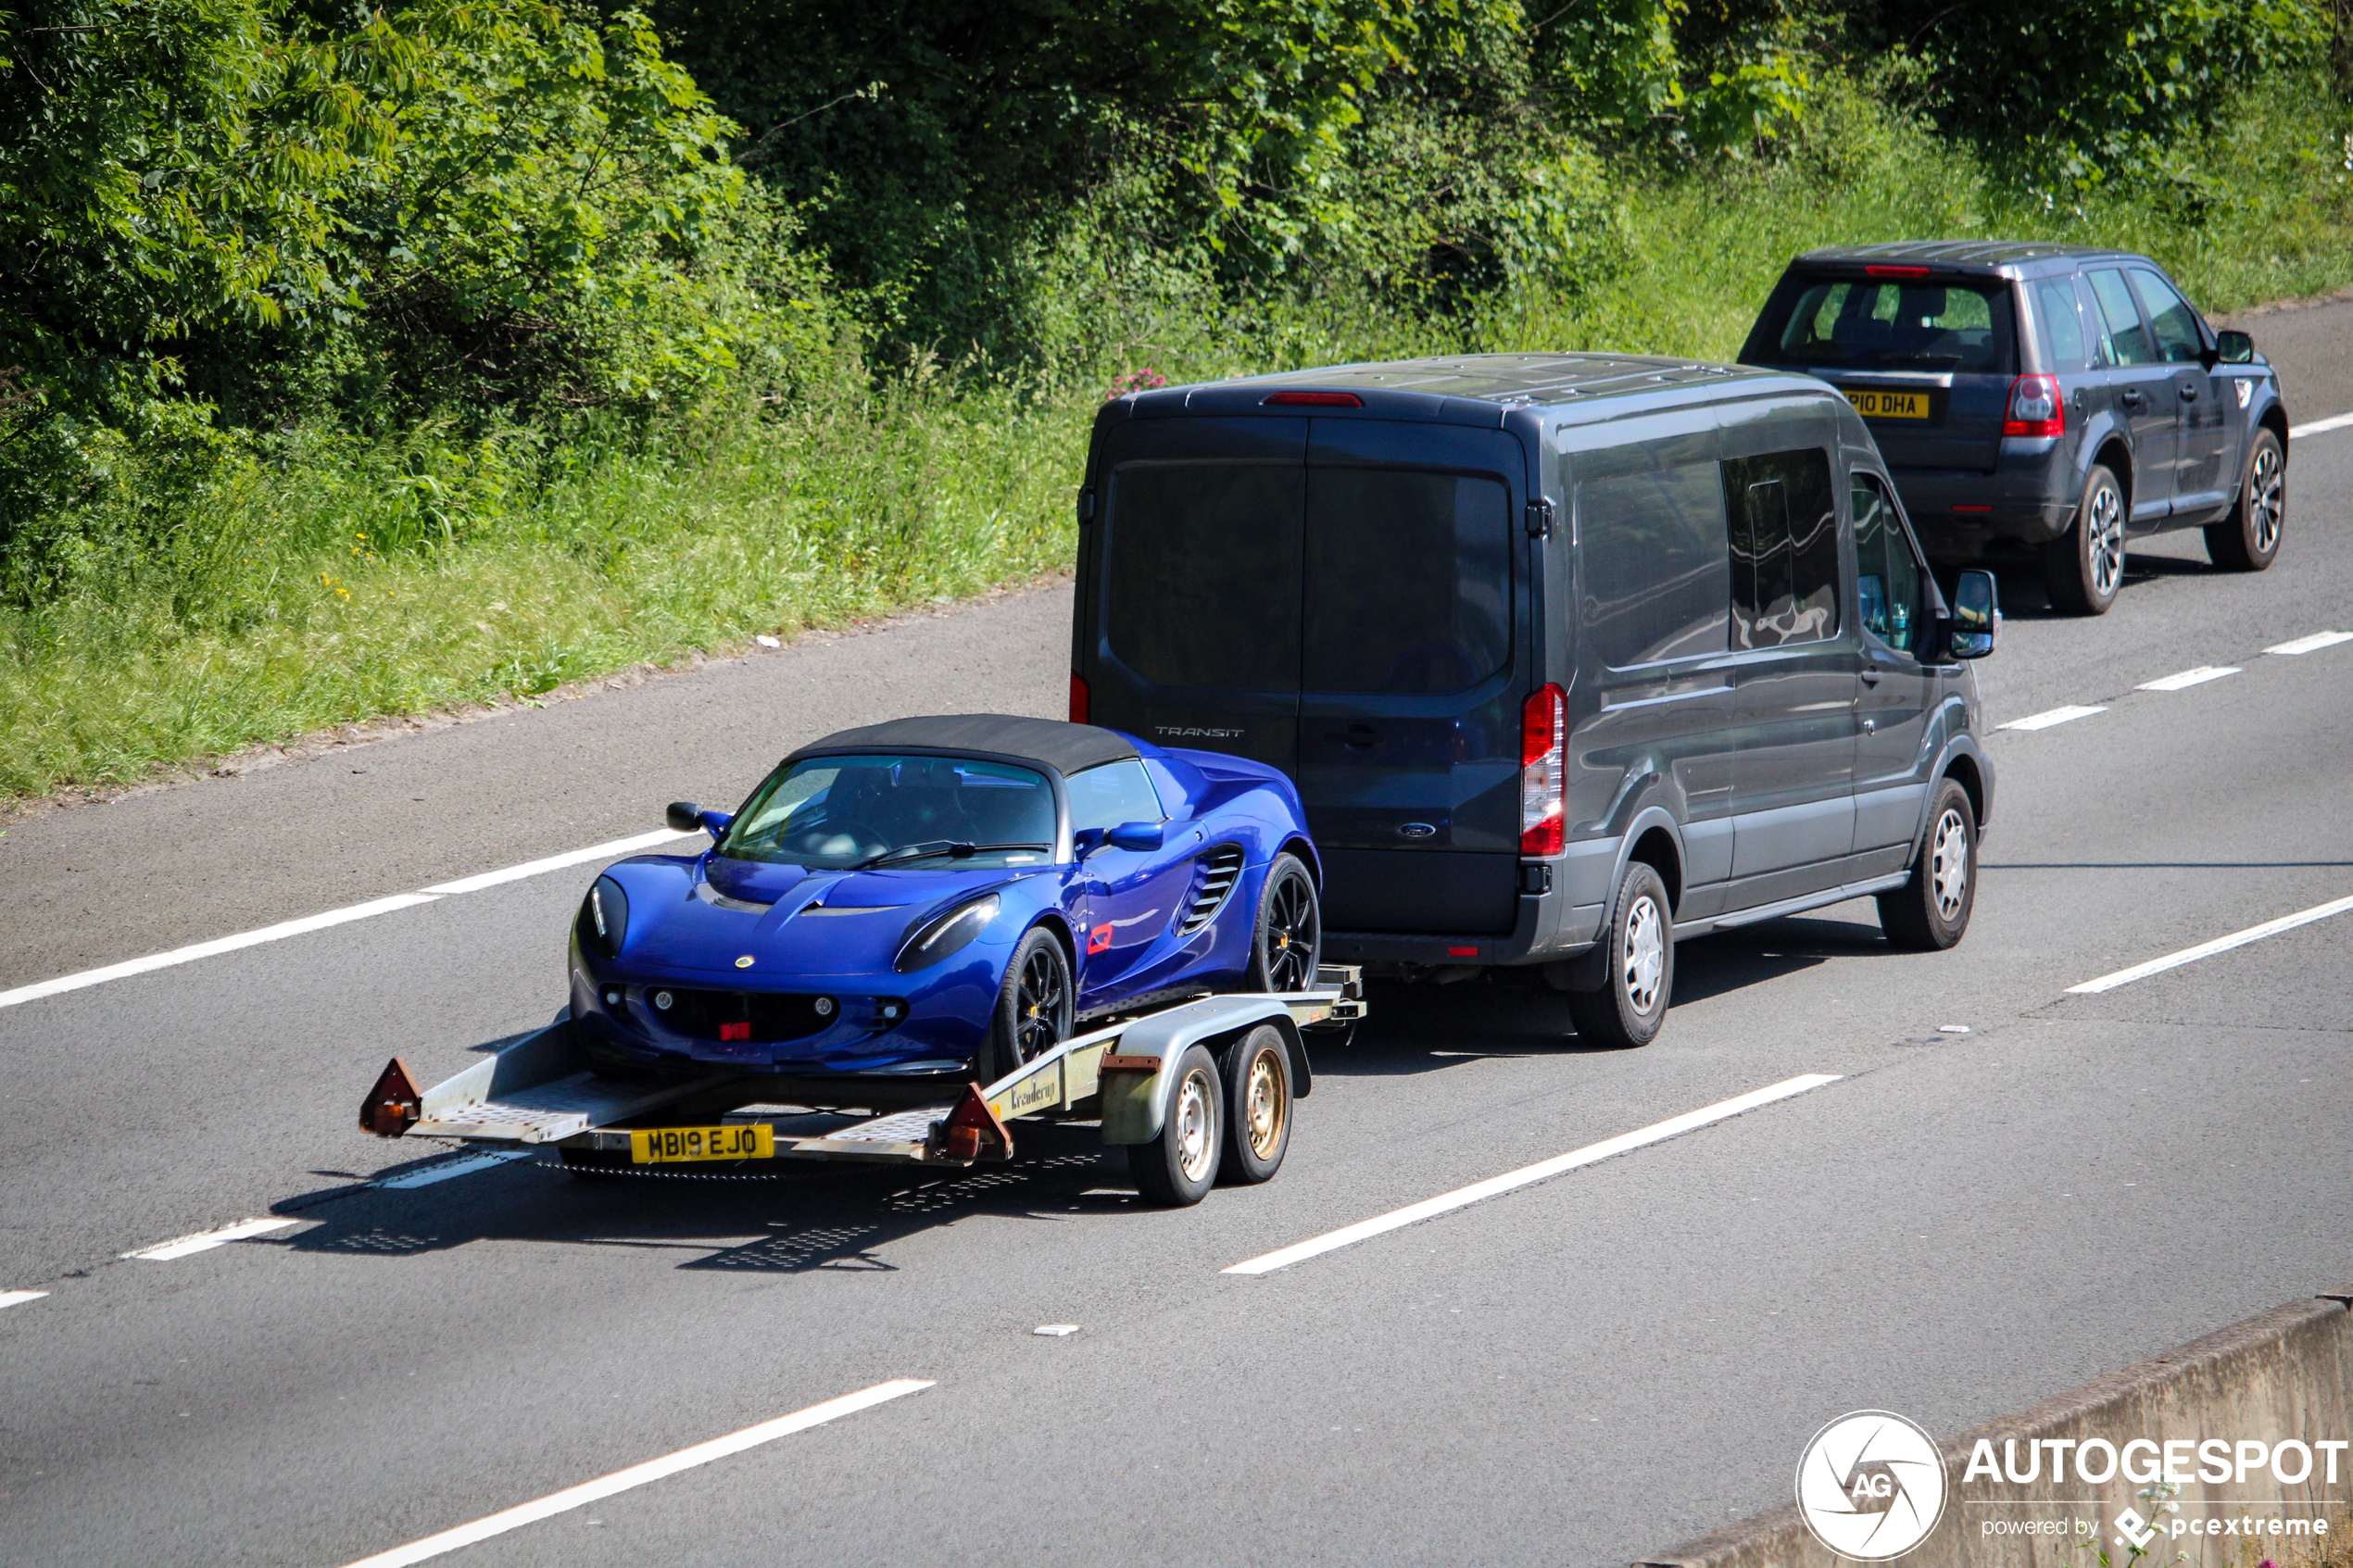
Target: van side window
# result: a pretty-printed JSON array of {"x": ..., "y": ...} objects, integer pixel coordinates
[
  {"x": 1409, "y": 582},
  {"x": 1783, "y": 526},
  {"x": 2177, "y": 336},
  {"x": 1657, "y": 564},
  {"x": 2063, "y": 345},
  {"x": 1203, "y": 580},
  {"x": 1112, "y": 793},
  {"x": 1887, "y": 575},
  {"x": 2127, "y": 339}
]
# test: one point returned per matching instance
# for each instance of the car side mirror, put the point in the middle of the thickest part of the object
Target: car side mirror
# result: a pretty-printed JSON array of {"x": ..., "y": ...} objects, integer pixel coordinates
[
  {"x": 1976, "y": 619},
  {"x": 683, "y": 816},
  {"x": 1084, "y": 842},
  {"x": 2233, "y": 348},
  {"x": 1137, "y": 835}
]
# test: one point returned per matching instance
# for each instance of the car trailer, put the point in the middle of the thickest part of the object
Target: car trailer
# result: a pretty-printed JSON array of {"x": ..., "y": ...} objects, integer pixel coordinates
[{"x": 1193, "y": 1089}]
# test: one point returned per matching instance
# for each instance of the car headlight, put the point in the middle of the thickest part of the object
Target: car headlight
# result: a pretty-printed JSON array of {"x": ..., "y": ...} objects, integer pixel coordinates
[
  {"x": 604, "y": 917},
  {"x": 928, "y": 944}
]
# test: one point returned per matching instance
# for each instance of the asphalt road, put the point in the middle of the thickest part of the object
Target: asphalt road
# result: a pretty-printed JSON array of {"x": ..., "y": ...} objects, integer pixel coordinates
[{"x": 1577, "y": 1371}]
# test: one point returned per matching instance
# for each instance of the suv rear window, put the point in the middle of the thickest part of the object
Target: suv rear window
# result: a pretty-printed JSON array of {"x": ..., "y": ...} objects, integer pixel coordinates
[
  {"x": 1925, "y": 324},
  {"x": 1263, "y": 578}
]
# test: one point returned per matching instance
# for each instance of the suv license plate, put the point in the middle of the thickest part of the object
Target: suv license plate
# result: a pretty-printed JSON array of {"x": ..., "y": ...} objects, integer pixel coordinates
[
  {"x": 1890, "y": 405},
  {"x": 669, "y": 1146}
]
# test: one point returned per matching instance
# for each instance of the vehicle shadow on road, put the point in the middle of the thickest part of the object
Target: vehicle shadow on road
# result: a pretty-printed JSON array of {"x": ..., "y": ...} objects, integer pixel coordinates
[{"x": 800, "y": 1219}]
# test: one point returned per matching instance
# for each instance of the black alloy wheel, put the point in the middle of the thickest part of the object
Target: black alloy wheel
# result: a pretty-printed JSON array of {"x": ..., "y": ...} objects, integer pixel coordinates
[
  {"x": 1034, "y": 1005},
  {"x": 1288, "y": 943}
]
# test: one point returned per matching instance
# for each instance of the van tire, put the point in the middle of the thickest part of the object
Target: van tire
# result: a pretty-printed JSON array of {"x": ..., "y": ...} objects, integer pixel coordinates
[
  {"x": 2248, "y": 540},
  {"x": 1930, "y": 912},
  {"x": 1287, "y": 938},
  {"x": 1638, "y": 966},
  {"x": 2083, "y": 567}
]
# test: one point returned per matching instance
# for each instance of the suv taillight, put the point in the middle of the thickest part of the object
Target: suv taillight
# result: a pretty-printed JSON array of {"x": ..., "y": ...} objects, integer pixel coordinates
[
  {"x": 2034, "y": 408},
  {"x": 1543, "y": 771},
  {"x": 1079, "y": 699}
]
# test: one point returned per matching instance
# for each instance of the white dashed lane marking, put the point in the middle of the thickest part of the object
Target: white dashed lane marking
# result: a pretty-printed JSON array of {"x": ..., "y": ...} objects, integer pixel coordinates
[
  {"x": 2208, "y": 950},
  {"x": 2049, "y": 717},
  {"x": 638, "y": 1475},
  {"x": 2188, "y": 678},
  {"x": 204, "y": 1241},
  {"x": 19, "y": 1297},
  {"x": 2312, "y": 644},
  {"x": 464, "y": 1165},
  {"x": 2320, "y": 427},
  {"x": 1445, "y": 1203}
]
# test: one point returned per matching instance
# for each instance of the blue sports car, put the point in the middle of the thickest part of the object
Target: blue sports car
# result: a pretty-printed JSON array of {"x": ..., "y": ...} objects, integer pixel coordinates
[{"x": 904, "y": 906}]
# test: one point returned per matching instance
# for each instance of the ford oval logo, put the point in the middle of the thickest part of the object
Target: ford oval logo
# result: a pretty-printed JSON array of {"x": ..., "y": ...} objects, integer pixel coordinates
[{"x": 1417, "y": 830}]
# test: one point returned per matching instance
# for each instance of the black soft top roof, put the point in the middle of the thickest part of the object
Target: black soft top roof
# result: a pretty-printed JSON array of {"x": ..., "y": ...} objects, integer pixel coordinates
[{"x": 1066, "y": 748}]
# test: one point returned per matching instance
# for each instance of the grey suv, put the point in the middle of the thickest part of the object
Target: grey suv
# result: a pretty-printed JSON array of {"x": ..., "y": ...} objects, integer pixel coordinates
[{"x": 2052, "y": 401}]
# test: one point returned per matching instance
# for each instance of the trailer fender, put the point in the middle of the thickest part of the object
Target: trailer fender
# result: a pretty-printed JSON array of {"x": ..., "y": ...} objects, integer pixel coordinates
[{"x": 1135, "y": 1078}]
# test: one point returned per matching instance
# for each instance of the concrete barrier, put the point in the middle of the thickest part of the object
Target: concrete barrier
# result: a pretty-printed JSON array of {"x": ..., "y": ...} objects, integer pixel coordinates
[{"x": 2285, "y": 1375}]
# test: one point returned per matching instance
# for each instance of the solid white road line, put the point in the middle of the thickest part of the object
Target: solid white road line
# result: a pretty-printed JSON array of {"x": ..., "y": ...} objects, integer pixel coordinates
[
  {"x": 1348, "y": 1236},
  {"x": 2319, "y": 427},
  {"x": 2187, "y": 678},
  {"x": 2048, "y": 717},
  {"x": 207, "y": 950},
  {"x": 2208, "y": 950},
  {"x": 204, "y": 1241},
  {"x": 284, "y": 929},
  {"x": 2312, "y": 644},
  {"x": 466, "y": 1165},
  {"x": 19, "y": 1297},
  {"x": 638, "y": 1475},
  {"x": 612, "y": 851}
]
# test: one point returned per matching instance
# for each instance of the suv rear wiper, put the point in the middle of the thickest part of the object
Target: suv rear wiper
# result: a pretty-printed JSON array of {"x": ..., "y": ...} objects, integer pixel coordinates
[{"x": 930, "y": 848}]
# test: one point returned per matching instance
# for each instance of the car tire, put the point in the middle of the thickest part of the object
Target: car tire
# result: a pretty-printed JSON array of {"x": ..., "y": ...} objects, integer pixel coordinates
[
  {"x": 2248, "y": 540},
  {"x": 1034, "y": 1005},
  {"x": 1286, "y": 940},
  {"x": 1931, "y": 911},
  {"x": 1255, "y": 1072},
  {"x": 2083, "y": 569},
  {"x": 1638, "y": 966},
  {"x": 1179, "y": 1167}
]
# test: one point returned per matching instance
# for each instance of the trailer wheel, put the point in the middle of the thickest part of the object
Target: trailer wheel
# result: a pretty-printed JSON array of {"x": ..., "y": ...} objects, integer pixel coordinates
[
  {"x": 1257, "y": 1073},
  {"x": 1178, "y": 1168}
]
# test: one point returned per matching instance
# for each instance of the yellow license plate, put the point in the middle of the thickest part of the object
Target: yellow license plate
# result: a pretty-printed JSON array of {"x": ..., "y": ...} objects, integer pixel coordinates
[
  {"x": 670, "y": 1146},
  {"x": 1890, "y": 405}
]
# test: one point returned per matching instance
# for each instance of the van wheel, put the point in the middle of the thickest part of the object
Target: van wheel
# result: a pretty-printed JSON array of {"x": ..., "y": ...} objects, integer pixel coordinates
[
  {"x": 1286, "y": 943},
  {"x": 1638, "y": 966},
  {"x": 2248, "y": 540},
  {"x": 1929, "y": 913},
  {"x": 2083, "y": 567}
]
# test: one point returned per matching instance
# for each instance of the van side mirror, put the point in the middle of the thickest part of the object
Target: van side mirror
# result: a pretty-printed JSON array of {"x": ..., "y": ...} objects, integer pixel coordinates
[
  {"x": 1137, "y": 835},
  {"x": 1976, "y": 619}
]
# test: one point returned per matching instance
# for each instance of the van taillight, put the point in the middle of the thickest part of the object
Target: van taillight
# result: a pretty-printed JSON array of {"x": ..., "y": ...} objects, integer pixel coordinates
[
  {"x": 2034, "y": 408},
  {"x": 1543, "y": 771},
  {"x": 1079, "y": 699},
  {"x": 1312, "y": 400}
]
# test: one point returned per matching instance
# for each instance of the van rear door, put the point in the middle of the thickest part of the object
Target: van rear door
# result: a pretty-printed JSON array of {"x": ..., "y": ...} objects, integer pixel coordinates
[
  {"x": 1410, "y": 684},
  {"x": 1196, "y": 584}
]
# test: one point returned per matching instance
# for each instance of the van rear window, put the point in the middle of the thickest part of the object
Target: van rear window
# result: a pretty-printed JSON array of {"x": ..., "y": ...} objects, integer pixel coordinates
[
  {"x": 1925, "y": 325},
  {"x": 1263, "y": 578}
]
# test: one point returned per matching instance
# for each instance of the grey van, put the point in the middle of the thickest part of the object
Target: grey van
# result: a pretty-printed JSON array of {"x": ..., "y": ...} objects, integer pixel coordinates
[{"x": 1570, "y": 655}]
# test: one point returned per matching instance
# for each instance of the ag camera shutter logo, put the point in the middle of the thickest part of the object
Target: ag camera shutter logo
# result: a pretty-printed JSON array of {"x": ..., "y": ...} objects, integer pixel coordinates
[{"x": 1870, "y": 1486}]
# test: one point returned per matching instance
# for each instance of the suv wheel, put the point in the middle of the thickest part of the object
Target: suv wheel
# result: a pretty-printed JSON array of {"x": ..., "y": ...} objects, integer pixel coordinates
[
  {"x": 2083, "y": 567},
  {"x": 1930, "y": 912},
  {"x": 1638, "y": 966},
  {"x": 2248, "y": 540}
]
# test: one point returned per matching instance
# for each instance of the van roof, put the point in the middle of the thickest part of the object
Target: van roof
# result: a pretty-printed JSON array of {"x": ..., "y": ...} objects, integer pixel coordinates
[
  {"x": 1996, "y": 257},
  {"x": 1424, "y": 387}
]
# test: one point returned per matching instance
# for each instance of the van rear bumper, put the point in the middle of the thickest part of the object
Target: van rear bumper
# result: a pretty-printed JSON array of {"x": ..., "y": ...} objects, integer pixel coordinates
[{"x": 1548, "y": 928}]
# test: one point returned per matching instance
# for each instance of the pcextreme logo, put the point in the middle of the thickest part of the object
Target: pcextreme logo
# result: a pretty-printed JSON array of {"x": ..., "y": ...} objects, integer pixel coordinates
[{"x": 1870, "y": 1486}]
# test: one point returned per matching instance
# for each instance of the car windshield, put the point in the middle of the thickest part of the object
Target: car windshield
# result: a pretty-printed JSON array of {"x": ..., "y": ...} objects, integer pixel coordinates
[
  {"x": 833, "y": 813},
  {"x": 1922, "y": 324}
]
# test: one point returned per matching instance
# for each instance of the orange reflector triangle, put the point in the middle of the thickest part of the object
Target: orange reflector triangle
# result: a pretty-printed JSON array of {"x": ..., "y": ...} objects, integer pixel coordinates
[
  {"x": 393, "y": 1104},
  {"x": 975, "y": 1131}
]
